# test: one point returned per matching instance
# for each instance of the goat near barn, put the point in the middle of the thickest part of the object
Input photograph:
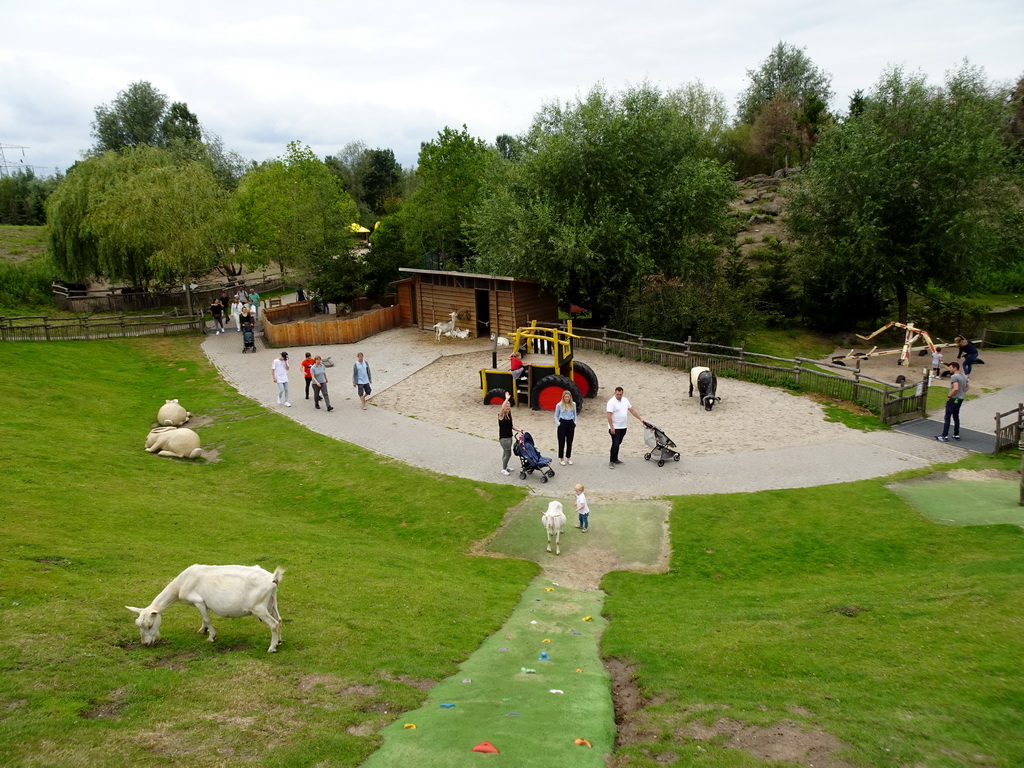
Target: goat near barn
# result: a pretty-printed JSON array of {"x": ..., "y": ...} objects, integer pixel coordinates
[
  {"x": 706, "y": 382},
  {"x": 554, "y": 522},
  {"x": 440, "y": 329},
  {"x": 230, "y": 591}
]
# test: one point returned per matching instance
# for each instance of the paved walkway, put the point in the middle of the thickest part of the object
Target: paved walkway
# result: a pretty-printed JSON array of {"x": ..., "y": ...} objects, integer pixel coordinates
[{"x": 857, "y": 456}]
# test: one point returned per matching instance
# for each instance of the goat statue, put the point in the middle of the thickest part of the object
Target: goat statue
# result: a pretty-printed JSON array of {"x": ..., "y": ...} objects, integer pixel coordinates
[{"x": 230, "y": 591}]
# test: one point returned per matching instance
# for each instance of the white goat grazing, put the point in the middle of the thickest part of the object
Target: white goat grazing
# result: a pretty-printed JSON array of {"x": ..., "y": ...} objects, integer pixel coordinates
[
  {"x": 227, "y": 590},
  {"x": 447, "y": 326},
  {"x": 554, "y": 522}
]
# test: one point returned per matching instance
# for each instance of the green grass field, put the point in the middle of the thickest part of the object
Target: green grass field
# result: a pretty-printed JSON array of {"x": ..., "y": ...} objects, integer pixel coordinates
[
  {"x": 379, "y": 599},
  {"x": 841, "y": 608}
]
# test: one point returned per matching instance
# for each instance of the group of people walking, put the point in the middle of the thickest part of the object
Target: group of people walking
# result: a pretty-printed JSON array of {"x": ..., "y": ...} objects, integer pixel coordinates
[
  {"x": 314, "y": 373},
  {"x": 242, "y": 309}
]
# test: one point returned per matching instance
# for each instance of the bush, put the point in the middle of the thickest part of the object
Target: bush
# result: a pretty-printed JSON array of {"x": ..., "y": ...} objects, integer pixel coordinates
[{"x": 26, "y": 284}]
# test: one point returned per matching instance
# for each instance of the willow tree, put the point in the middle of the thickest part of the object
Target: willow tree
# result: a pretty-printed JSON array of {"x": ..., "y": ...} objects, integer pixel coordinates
[{"x": 139, "y": 216}]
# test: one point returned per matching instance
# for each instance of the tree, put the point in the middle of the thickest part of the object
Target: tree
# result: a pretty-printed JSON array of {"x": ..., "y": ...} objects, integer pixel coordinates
[
  {"x": 450, "y": 179},
  {"x": 775, "y": 132},
  {"x": 787, "y": 73},
  {"x": 138, "y": 216},
  {"x": 913, "y": 191},
  {"x": 23, "y": 197},
  {"x": 293, "y": 209},
  {"x": 138, "y": 115},
  {"x": 613, "y": 187}
]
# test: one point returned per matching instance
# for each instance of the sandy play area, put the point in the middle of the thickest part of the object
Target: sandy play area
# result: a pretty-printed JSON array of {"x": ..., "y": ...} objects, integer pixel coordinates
[{"x": 750, "y": 417}]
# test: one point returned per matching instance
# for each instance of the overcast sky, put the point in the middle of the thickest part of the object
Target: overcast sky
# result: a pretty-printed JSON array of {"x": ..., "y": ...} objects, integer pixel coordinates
[{"x": 392, "y": 74}]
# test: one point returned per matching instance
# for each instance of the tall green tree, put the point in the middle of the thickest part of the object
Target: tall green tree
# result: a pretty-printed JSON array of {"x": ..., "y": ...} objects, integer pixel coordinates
[
  {"x": 613, "y": 187},
  {"x": 914, "y": 190},
  {"x": 450, "y": 182},
  {"x": 141, "y": 114},
  {"x": 292, "y": 209},
  {"x": 789, "y": 73}
]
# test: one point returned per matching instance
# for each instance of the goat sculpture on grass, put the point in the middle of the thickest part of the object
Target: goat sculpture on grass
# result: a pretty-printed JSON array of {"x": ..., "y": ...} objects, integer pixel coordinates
[
  {"x": 554, "y": 522},
  {"x": 227, "y": 590}
]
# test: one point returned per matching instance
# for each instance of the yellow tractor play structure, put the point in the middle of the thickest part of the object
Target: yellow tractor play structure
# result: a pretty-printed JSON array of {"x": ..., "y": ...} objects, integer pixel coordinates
[{"x": 549, "y": 370}]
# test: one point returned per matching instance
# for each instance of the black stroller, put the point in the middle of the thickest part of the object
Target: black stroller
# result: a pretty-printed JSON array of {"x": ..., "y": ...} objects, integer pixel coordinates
[
  {"x": 248, "y": 341},
  {"x": 658, "y": 441},
  {"x": 530, "y": 458}
]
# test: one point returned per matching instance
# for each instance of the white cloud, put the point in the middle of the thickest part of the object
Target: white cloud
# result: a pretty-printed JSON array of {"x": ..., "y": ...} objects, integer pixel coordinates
[{"x": 263, "y": 73}]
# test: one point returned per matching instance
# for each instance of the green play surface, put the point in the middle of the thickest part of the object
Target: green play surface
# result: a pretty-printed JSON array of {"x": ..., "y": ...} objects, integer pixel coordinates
[
  {"x": 530, "y": 710},
  {"x": 630, "y": 532},
  {"x": 533, "y": 709},
  {"x": 964, "y": 502}
]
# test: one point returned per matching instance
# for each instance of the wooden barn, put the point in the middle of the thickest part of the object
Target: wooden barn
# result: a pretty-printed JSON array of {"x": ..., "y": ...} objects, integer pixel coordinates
[{"x": 486, "y": 304}]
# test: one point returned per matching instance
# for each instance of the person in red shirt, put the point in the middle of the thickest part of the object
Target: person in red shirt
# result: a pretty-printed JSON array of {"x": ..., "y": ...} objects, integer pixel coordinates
[{"x": 306, "y": 365}]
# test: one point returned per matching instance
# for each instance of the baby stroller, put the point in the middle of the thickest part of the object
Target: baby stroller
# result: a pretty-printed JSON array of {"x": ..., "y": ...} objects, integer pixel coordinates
[
  {"x": 530, "y": 458},
  {"x": 248, "y": 341},
  {"x": 658, "y": 441}
]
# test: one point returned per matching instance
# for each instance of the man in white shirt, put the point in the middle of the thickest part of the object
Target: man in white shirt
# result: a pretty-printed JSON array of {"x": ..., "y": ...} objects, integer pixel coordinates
[
  {"x": 279, "y": 372},
  {"x": 618, "y": 411}
]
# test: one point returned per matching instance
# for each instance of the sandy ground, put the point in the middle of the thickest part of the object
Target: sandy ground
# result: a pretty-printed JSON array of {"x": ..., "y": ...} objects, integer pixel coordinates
[
  {"x": 749, "y": 417},
  {"x": 1001, "y": 369}
]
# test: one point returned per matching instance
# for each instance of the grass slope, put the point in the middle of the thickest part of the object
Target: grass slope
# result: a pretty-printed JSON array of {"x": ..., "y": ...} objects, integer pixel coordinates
[
  {"x": 379, "y": 598},
  {"x": 839, "y": 607}
]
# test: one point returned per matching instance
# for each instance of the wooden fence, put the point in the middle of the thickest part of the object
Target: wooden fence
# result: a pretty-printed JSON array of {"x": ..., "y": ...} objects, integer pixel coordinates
[
  {"x": 80, "y": 299},
  {"x": 893, "y": 403},
  {"x": 43, "y": 328},
  {"x": 344, "y": 330},
  {"x": 1008, "y": 434}
]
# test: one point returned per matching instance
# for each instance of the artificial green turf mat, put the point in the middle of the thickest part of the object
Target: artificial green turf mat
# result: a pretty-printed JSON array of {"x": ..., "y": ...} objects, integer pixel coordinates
[
  {"x": 630, "y": 531},
  {"x": 964, "y": 502},
  {"x": 496, "y": 701}
]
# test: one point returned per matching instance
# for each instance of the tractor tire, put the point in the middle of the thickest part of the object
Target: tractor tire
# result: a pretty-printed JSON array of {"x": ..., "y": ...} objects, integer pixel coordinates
[
  {"x": 494, "y": 396},
  {"x": 585, "y": 378},
  {"x": 548, "y": 392}
]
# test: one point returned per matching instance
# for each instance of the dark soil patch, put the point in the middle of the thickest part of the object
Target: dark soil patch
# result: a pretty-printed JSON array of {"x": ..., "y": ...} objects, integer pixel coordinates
[
  {"x": 629, "y": 703},
  {"x": 785, "y": 741},
  {"x": 109, "y": 708}
]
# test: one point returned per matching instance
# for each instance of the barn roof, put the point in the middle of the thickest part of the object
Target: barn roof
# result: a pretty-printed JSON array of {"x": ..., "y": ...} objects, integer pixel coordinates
[{"x": 462, "y": 274}]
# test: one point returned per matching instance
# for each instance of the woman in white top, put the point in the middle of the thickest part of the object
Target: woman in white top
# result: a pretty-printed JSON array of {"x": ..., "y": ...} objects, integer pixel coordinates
[
  {"x": 236, "y": 313},
  {"x": 565, "y": 418}
]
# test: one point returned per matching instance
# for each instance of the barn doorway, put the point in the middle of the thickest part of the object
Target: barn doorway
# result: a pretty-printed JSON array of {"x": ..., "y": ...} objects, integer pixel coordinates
[{"x": 483, "y": 314}]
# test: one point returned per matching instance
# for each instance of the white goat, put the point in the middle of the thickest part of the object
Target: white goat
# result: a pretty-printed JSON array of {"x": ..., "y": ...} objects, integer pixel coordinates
[
  {"x": 502, "y": 341},
  {"x": 447, "y": 326},
  {"x": 554, "y": 522},
  {"x": 227, "y": 590}
]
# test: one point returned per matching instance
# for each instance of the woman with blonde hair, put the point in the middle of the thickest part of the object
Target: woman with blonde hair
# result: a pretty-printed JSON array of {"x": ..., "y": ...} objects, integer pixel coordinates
[
  {"x": 565, "y": 418},
  {"x": 505, "y": 429}
]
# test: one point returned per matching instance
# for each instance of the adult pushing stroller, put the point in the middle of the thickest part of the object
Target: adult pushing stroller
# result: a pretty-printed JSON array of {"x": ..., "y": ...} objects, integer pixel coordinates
[
  {"x": 248, "y": 341},
  {"x": 657, "y": 440},
  {"x": 530, "y": 458}
]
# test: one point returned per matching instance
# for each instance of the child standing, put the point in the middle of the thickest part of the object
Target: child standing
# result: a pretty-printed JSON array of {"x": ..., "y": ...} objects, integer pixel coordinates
[
  {"x": 936, "y": 363},
  {"x": 582, "y": 510}
]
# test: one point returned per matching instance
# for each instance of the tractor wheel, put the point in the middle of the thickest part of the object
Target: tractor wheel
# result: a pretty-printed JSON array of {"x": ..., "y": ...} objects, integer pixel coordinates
[
  {"x": 494, "y": 396},
  {"x": 548, "y": 391},
  {"x": 585, "y": 378}
]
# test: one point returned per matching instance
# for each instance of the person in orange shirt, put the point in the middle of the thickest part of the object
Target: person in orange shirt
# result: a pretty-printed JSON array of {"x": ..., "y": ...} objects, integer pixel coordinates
[{"x": 306, "y": 364}]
